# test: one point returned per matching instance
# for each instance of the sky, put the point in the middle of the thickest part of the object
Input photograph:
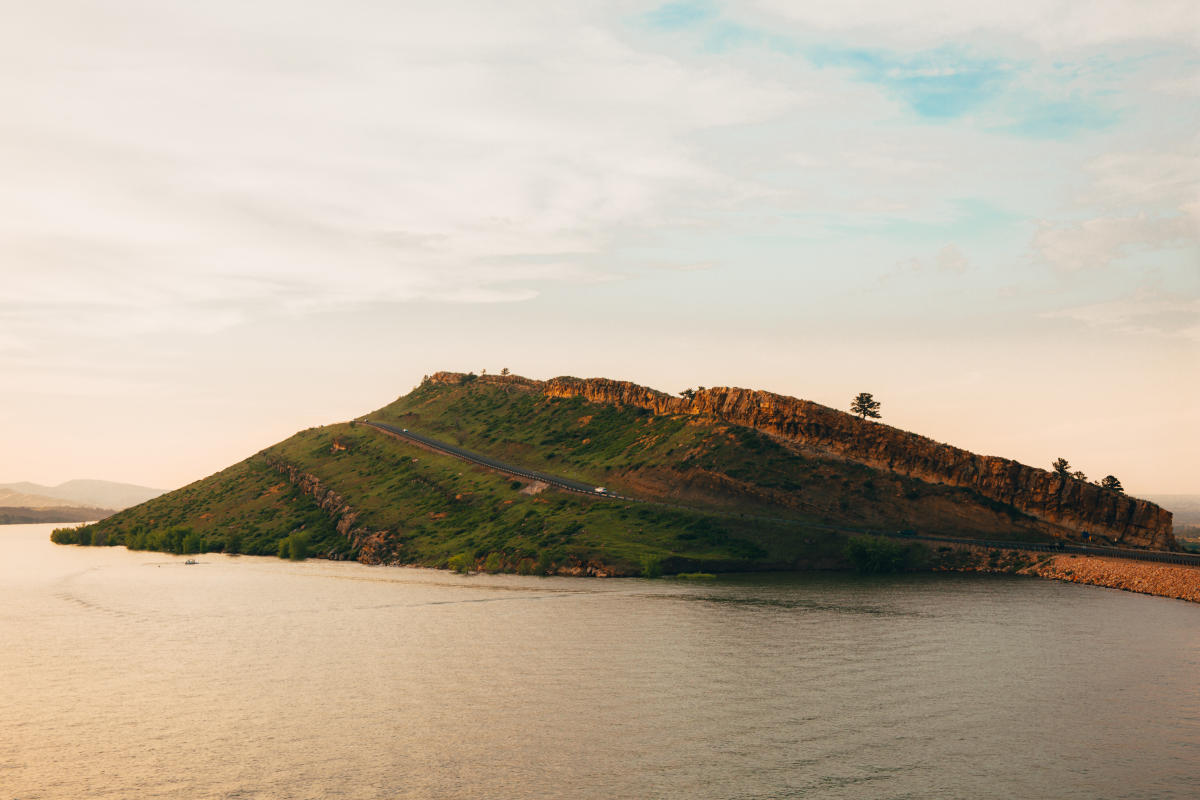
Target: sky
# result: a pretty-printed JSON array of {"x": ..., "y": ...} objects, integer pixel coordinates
[{"x": 223, "y": 222}]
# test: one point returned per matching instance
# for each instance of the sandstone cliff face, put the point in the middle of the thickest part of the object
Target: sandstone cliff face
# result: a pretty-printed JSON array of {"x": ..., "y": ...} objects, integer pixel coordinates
[{"x": 1071, "y": 504}]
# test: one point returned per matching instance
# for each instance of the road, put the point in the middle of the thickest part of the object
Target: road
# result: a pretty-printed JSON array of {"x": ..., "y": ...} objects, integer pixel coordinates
[{"x": 591, "y": 490}]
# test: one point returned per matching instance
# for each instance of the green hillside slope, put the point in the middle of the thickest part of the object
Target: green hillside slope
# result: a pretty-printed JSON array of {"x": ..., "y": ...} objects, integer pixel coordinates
[{"x": 721, "y": 497}]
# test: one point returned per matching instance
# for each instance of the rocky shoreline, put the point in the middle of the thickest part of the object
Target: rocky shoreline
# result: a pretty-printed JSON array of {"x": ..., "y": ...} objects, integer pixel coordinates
[{"x": 1176, "y": 581}]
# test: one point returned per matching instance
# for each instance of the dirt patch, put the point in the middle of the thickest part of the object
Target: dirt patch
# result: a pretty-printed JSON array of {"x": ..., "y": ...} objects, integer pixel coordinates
[{"x": 534, "y": 487}]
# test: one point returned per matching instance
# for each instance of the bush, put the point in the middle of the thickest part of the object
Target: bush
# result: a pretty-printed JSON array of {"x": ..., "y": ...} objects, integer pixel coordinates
[
  {"x": 651, "y": 566},
  {"x": 493, "y": 563},
  {"x": 462, "y": 563},
  {"x": 65, "y": 536},
  {"x": 875, "y": 555},
  {"x": 294, "y": 546},
  {"x": 193, "y": 543}
]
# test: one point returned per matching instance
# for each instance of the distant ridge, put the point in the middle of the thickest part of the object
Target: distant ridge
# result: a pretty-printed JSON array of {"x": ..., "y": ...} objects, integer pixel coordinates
[{"x": 82, "y": 492}]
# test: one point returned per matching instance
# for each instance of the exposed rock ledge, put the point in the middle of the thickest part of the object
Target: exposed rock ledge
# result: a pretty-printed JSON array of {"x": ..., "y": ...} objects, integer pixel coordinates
[
  {"x": 372, "y": 546},
  {"x": 1071, "y": 504}
]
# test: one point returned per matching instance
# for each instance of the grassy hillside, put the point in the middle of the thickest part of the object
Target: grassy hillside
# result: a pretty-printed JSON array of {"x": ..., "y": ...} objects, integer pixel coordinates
[
  {"x": 692, "y": 461},
  {"x": 351, "y": 491}
]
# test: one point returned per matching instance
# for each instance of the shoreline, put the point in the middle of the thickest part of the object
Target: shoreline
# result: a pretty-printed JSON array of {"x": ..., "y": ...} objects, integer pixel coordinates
[{"x": 1174, "y": 581}]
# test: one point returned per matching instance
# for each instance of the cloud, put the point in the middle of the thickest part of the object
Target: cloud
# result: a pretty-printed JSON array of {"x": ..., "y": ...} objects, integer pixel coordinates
[
  {"x": 194, "y": 157},
  {"x": 1141, "y": 314},
  {"x": 1096, "y": 243},
  {"x": 1055, "y": 24},
  {"x": 1159, "y": 193},
  {"x": 1140, "y": 179},
  {"x": 949, "y": 259}
]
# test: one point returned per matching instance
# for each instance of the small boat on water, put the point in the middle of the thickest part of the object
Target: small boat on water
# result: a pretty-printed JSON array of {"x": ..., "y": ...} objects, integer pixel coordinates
[{"x": 191, "y": 561}]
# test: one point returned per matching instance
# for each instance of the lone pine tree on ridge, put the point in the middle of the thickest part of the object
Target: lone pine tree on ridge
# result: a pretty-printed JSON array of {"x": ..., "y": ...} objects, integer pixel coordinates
[{"x": 865, "y": 405}]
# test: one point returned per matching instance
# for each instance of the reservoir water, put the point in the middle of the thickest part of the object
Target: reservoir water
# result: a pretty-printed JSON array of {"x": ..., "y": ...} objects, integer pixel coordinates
[{"x": 132, "y": 675}]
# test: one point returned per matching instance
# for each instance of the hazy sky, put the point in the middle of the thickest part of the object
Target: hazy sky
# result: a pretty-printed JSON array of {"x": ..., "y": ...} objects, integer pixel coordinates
[{"x": 221, "y": 222}]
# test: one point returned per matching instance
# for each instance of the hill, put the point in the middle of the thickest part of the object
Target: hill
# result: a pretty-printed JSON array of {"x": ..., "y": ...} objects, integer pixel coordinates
[
  {"x": 24, "y": 515},
  {"x": 20, "y": 508},
  {"x": 94, "y": 493},
  {"x": 732, "y": 479}
]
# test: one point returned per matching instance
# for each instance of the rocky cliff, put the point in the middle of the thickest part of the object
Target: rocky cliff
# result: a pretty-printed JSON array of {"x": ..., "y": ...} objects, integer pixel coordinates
[
  {"x": 371, "y": 545},
  {"x": 1070, "y": 504}
]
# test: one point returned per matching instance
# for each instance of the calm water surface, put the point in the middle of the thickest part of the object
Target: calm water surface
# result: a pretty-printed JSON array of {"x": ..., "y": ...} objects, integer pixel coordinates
[{"x": 131, "y": 675}]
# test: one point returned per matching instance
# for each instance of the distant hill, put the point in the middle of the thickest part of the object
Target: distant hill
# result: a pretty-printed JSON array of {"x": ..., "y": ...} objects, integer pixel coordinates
[
  {"x": 101, "y": 494},
  {"x": 10, "y": 515},
  {"x": 732, "y": 479},
  {"x": 1185, "y": 507},
  {"x": 12, "y": 497},
  {"x": 20, "y": 508}
]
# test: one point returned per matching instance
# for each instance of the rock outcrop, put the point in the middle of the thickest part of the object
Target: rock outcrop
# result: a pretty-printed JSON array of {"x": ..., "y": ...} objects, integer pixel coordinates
[
  {"x": 1073, "y": 505},
  {"x": 372, "y": 546}
]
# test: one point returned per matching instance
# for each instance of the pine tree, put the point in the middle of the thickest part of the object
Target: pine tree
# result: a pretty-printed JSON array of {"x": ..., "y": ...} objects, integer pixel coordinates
[
  {"x": 1061, "y": 466},
  {"x": 865, "y": 405},
  {"x": 1111, "y": 482}
]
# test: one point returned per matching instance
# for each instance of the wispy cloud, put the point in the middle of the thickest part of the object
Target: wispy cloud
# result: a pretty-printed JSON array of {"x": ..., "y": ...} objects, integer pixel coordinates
[
  {"x": 1144, "y": 313},
  {"x": 1097, "y": 243},
  {"x": 949, "y": 259},
  {"x": 210, "y": 155}
]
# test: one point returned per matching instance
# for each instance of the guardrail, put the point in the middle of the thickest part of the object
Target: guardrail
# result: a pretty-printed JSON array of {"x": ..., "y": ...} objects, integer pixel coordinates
[
  {"x": 586, "y": 489},
  {"x": 1057, "y": 547}
]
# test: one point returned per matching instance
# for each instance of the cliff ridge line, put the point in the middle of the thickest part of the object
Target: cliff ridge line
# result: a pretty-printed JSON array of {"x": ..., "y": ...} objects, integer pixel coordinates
[{"x": 1059, "y": 500}]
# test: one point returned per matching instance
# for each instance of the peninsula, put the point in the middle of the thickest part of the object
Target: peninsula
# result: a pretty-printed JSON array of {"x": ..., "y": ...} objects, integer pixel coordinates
[{"x": 603, "y": 477}]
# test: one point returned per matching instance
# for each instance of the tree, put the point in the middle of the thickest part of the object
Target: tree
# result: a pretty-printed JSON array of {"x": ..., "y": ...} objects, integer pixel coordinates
[
  {"x": 688, "y": 393},
  {"x": 504, "y": 370},
  {"x": 1111, "y": 482},
  {"x": 1078, "y": 475},
  {"x": 1061, "y": 466},
  {"x": 865, "y": 405}
]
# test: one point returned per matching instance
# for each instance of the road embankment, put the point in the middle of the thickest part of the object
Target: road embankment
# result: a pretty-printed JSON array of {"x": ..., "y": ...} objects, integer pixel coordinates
[
  {"x": 1145, "y": 577},
  {"x": 1178, "y": 581}
]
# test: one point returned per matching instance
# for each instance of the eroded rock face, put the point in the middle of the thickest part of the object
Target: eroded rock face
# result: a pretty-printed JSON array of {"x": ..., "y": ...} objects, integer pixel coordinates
[
  {"x": 1066, "y": 502},
  {"x": 371, "y": 545}
]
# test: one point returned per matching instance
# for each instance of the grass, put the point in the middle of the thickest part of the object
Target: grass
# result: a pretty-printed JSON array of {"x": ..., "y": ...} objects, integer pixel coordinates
[{"x": 351, "y": 491}]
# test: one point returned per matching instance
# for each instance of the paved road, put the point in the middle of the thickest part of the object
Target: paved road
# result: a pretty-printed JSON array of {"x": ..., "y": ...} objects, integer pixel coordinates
[{"x": 591, "y": 490}]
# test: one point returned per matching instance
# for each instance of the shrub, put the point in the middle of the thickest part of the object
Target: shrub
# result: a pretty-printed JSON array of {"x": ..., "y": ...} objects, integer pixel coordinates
[
  {"x": 193, "y": 543},
  {"x": 493, "y": 563},
  {"x": 461, "y": 563},
  {"x": 294, "y": 546},
  {"x": 875, "y": 555},
  {"x": 65, "y": 536},
  {"x": 651, "y": 566}
]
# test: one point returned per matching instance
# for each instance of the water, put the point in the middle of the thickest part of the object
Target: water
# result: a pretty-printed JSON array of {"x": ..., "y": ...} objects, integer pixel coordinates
[{"x": 131, "y": 675}]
